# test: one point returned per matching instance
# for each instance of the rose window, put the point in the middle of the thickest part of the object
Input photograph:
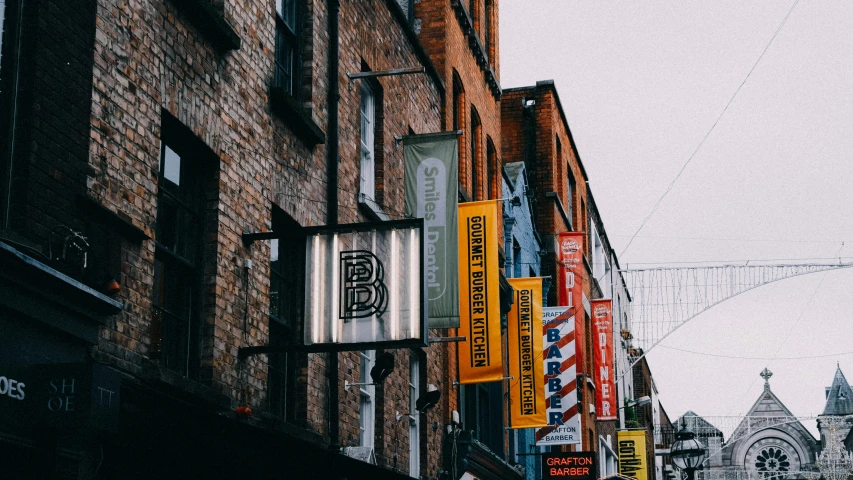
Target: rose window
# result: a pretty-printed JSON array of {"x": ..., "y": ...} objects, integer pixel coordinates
[{"x": 772, "y": 461}]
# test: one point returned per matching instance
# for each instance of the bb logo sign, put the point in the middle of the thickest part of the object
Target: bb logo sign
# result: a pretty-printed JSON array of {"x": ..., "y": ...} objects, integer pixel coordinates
[{"x": 362, "y": 291}]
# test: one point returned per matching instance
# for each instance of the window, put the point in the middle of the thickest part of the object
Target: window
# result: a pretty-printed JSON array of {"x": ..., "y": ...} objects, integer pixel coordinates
[
  {"x": 2, "y": 25},
  {"x": 368, "y": 140},
  {"x": 10, "y": 29},
  {"x": 459, "y": 124},
  {"x": 483, "y": 413},
  {"x": 476, "y": 163},
  {"x": 492, "y": 183},
  {"x": 570, "y": 198},
  {"x": 414, "y": 417},
  {"x": 287, "y": 276},
  {"x": 516, "y": 259},
  {"x": 367, "y": 408},
  {"x": 287, "y": 75},
  {"x": 177, "y": 256},
  {"x": 488, "y": 34}
]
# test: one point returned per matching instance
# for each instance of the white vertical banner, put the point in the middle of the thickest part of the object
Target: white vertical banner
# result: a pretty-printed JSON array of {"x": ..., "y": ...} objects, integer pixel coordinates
[{"x": 561, "y": 395}]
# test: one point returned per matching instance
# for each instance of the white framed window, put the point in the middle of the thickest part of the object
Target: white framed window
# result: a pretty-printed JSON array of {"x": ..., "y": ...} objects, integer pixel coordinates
[
  {"x": 414, "y": 416},
  {"x": 367, "y": 407},
  {"x": 368, "y": 141}
]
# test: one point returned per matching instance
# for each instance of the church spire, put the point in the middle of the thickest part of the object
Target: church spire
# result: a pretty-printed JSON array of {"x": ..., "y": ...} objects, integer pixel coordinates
[
  {"x": 839, "y": 398},
  {"x": 766, "y": 374}
]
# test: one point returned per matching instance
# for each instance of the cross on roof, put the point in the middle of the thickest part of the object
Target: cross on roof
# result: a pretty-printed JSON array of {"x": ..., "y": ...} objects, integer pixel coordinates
[{"x": 766, "y": 374}]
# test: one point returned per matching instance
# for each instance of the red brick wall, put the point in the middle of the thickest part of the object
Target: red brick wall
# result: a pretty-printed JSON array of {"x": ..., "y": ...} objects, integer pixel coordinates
[
  {"x": 151, "y": 58},
  {"x": 548, "y": 172}
]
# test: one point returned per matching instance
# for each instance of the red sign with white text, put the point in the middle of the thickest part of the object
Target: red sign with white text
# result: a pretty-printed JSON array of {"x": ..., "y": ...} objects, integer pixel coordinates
[
  {"x": 605, "y": 385},
  {"x": 570, "y": 285}
]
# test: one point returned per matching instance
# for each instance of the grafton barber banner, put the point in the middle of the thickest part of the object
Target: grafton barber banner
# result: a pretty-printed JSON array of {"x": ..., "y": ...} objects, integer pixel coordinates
[
  {"x": 364, "y": 286},
  {"x": 432, "y": 170},
  {"x": 632, "y": 453},
  {"x": 527, "y": 388},
  {"x": 605, "y": 388},
  {"x": 561, "y": 396},
  {"x": 480, "y": 358},
  {"x": 570, "y": 271}
]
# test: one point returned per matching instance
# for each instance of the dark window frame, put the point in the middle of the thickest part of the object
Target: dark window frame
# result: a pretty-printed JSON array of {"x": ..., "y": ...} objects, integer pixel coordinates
[
  {"x": 483, "y": 414},
  {"x": 286, "y": 313},
  {"x": 178, "y": 257},
  {"x": 288, "y": 43}
]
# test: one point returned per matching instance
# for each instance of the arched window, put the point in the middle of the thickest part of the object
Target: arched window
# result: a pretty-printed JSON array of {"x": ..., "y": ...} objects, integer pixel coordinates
[{"x": 476, "y": 156}]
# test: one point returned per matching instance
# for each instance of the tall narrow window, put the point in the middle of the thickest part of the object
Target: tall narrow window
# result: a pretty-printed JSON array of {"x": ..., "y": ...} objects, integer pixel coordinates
[
  {"x": 287, "y": 275},
  {"x": 492, "y": 178},
  {"x": 367, "y": 407},
  {"x": 488, "y": 35},
  {"x": 368, "y": 144},
  {"x": 570, "y": 200},
  {"x": 476, "y": 161},
  {"x": 177, "y": 257},
  {"x": 2, "y": 26},
  {"x": 287, "y": 75},
  {"x": 414, "y": 417},
  {"x": 459, "y": 125}
]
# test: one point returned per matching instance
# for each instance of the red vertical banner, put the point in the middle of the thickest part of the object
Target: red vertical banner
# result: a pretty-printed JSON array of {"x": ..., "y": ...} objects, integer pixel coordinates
[
  {"x": 570, "y": 285},
  {"x": 605, "y": 385}
]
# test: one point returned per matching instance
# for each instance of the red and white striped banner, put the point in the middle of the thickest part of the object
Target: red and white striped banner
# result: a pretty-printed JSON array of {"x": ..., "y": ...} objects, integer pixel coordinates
[{"x": 561, "y": 395}]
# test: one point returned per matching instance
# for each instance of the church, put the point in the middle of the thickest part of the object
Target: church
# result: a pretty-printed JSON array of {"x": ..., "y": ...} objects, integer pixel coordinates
[{"x": 770, "y": 442}]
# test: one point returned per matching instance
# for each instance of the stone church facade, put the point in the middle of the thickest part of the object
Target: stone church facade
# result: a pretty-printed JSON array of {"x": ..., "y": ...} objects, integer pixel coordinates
[{"x": 770, "y": 442}]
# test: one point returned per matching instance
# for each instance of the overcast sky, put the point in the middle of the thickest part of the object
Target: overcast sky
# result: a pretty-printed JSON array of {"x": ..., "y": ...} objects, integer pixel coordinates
[{"x": 641, "y": 84}]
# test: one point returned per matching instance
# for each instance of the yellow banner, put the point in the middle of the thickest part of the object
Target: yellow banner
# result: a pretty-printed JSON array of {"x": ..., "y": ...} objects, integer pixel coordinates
[
  {"x": 632, "y": 453},
  {"x": 524, "y": 333},
  {"x": 480, "y": 358}
]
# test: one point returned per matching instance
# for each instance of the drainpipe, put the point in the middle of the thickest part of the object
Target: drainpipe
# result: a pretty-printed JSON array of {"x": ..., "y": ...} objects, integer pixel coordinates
[{"x": 333, "y": 7}]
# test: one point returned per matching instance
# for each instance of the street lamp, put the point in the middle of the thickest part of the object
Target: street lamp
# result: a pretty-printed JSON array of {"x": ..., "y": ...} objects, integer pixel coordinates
[
  {"x": 686, "y": 452},
  {"x": 640, "y": 402}
]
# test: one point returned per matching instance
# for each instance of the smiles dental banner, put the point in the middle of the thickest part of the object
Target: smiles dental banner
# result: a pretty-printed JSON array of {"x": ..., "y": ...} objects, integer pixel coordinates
[
  {"x": 480, "y": 358},
  {"x": 431, "y": 179}
]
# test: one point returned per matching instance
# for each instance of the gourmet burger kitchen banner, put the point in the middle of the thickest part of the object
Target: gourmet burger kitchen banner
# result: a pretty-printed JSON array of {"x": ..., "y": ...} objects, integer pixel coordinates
[
  {"x": 480, "y": 358},
  {"x": 527, "y": 387},
  {"x": 605, "y": 387},
  {"x": 570, "y": 273}
]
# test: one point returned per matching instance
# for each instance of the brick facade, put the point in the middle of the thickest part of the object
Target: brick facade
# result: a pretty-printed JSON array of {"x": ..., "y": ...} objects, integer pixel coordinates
[
  {"x": 128, "y": 68},
  {"x": 534, "y": 126}
]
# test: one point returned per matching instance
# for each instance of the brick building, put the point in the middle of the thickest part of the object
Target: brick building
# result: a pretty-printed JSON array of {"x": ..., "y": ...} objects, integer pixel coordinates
[
  {"x": 536, "y": 132},
  {"x": 140, "y": 141}
]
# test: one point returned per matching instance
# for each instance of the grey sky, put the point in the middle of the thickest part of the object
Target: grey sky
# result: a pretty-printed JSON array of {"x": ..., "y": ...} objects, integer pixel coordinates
[{"x": 641, "y": 84}]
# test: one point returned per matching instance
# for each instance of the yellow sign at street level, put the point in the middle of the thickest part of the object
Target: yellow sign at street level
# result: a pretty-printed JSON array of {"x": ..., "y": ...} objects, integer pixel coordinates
[
  {"x": 480, "y": 358},
  {"x": 524, "y": 332},
  {"x": 632, "y": 453}
]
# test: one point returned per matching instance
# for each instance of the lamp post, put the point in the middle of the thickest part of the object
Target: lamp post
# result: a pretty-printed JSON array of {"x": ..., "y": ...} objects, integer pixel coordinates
[{"x": 686, "y": 452}]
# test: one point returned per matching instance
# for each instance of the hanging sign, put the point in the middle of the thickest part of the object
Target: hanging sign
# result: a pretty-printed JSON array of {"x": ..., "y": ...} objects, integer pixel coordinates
[
  {"x": 480, "y": 358},
  {"x": 364, "y": 286},
  {"x": 561, "y": 399},
  {"x": 570, "y": 272},
  {"x": 569, "y": 466},
  {"x": 527, "y": 387},
  {"x": 632, "y": 453},
  {"x": 605, "y": 387},
  {"x": 431, "y": 178}
]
